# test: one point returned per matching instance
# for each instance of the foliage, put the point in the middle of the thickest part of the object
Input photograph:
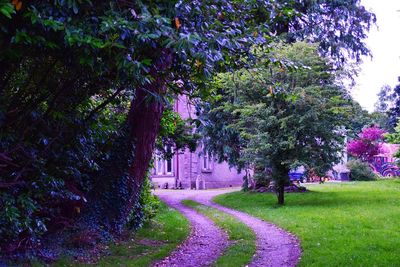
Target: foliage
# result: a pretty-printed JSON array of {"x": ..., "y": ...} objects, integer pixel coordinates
[
  {"x": 380, "y": 119},
  {"x": 149, "y": 206},
  {"x": 53, "y": 188},
  {"x": 274, "y": 120},
  {"x": 337, "y": 224},
  {"x": 394, "y": 110},
  {"x": 385, "y": 99},
  {"x": 360, "y": 171},
  {"x": 175, "y": 132},
  {"x": 243, "y": 240},
  {"x": 367, "y": 145},
  {"x": 388, "y": 106},
  {"x": 394, "y": 138},
  {"x": 380, "y": 116},
  {"x": 7, "y": 9}
]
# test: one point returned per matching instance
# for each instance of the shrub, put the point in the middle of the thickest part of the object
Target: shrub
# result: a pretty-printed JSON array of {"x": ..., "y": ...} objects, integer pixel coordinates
[
  {"x": 360, "y": 171},
  {"x": 149, "y": 202},
  {"x": 146, "y": 208}
]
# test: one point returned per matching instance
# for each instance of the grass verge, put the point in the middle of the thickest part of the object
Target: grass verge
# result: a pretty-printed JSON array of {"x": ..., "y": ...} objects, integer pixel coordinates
[
  {"x": 152, "y": 242},
  {"x": 347, "y": 224},
  {"x": 243, "y": 246}
]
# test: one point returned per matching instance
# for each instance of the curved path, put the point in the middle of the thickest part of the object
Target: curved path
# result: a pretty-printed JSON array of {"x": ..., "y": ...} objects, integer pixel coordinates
[
  {"x": 275, "y": 247},
  {"x": 206, "y": 241}
]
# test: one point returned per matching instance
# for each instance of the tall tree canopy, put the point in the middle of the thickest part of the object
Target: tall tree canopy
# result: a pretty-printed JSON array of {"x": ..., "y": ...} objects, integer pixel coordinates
[
  {"x": 394, "y": 105},
  {"x": 272, "y": 120},
  {"x": 84, "y": 84}
]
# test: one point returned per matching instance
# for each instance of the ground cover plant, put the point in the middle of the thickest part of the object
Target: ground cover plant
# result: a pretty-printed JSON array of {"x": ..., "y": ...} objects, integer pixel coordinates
[
  {"x": 151, "y": 243},
  {"x": 242, "y": 247},
  {"x": 346, "y": 224}
]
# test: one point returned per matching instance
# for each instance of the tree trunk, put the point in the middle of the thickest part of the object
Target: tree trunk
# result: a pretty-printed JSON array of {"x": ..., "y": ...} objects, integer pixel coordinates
[
  {"x": 281, "y": 176},
  {"x": 144, "y": 119},
  {"x": 281, "y": 194},
  {"x": 116, "y": 195}
]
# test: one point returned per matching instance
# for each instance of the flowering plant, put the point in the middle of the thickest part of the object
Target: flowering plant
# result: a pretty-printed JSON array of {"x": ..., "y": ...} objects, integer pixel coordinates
[{"x": 367, "y": 145}]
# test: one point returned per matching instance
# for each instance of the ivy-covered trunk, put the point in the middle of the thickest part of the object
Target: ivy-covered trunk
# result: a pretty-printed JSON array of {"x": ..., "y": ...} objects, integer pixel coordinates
[
  {"x": 144, "y": 119},
  {"x": 116, "y": 196}
]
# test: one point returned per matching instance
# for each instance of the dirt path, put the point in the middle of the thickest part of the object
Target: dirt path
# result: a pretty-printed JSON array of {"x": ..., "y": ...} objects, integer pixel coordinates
[
  {"x": 275, "y": 247},
  {"x": 206, "y": 241}
]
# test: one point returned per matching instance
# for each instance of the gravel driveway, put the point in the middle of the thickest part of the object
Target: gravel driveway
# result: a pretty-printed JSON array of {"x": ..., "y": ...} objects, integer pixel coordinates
[{"x": 275, "y": 247}]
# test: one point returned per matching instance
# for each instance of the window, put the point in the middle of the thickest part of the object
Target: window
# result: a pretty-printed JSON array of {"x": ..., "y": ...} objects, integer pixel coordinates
[
  {"x": 169, "y": 166},
  {"x": 159, "y": 165},
  {"x": 206, "y": 161},
  {"x": 169, "y": 162},
  {"x": 163, "y": 166}
]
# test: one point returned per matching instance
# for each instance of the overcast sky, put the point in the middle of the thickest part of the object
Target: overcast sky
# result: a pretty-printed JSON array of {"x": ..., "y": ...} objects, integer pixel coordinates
[{"x": 384, "y": 42}]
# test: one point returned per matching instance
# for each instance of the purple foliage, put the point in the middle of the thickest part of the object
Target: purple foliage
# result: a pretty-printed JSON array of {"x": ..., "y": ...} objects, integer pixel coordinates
[
  {"x": 372, "y": 134},
  {"x": 367, "y": 145}
]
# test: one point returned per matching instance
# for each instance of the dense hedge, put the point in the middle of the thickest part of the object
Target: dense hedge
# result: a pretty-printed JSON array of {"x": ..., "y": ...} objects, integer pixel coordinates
[{"x": 360, "y": 171}]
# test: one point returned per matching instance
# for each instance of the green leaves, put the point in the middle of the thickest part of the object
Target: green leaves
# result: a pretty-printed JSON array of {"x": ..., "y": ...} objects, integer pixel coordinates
[
  {"x": 277, "y": 119},
  {"x": 6, "y": 8}
]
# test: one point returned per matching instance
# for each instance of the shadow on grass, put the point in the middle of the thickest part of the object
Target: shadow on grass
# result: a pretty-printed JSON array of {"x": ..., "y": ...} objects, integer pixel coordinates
[{"x": 322, "y": 199}]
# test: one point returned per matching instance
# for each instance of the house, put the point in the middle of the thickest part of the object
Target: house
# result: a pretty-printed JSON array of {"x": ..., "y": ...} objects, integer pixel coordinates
[
  {"x": 385, "y": 162},
  {"x": 195, "y": 170}
]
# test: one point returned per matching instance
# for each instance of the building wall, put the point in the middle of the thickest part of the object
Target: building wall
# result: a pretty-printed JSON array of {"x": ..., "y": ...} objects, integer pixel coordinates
[{"x": 189, "y": 167}]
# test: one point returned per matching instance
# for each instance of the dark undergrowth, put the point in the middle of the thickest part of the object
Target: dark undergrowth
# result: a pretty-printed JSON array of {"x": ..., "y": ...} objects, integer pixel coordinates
[{"x": 154, "y": 241}]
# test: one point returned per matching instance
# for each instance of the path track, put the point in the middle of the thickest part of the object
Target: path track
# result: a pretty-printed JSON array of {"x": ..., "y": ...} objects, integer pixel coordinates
[
  {"x": 206, "y": 241},
  {"x": 275, "y": 247}
]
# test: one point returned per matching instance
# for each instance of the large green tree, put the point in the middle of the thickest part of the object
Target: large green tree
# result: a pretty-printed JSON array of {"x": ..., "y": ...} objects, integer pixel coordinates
[{"x": 273, "y": 119}]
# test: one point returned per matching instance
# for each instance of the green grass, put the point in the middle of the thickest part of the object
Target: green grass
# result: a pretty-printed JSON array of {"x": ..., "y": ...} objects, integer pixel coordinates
[
  {"x": 153, "y": 242},
  {"x": 348, "y": 224},
  {"x": 242, "y": 239}
]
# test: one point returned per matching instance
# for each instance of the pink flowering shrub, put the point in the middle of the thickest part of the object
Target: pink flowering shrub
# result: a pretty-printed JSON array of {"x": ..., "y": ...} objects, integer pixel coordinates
[
  {"x": 372, "y": 134},
  {"x": 367, "y": 145}
]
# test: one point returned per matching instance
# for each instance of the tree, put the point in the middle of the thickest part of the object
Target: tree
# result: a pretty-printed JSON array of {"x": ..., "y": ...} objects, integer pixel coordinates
[
  {"x": 385, "y": 99},
  {"x": 67, "y": 66},
  {"x": 394, "y": 138},
  {"x": 387, "y": 108},
  {"x": 380, "y": 116},
  {"x": 367, "y": 145},
  {"x": 274, "y": 120},
  {"x": 394, "y": 110}
]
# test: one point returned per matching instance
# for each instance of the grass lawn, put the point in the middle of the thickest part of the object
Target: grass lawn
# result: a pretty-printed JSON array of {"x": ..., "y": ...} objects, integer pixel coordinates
[
  {"x": 243, "y": 246},
  {"x": 347, "y": 224},
  {"x": 151, "y": 243}
]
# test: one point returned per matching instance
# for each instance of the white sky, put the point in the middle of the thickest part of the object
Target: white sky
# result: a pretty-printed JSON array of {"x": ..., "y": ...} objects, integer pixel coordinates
[{"x": 384, "y": 42}]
